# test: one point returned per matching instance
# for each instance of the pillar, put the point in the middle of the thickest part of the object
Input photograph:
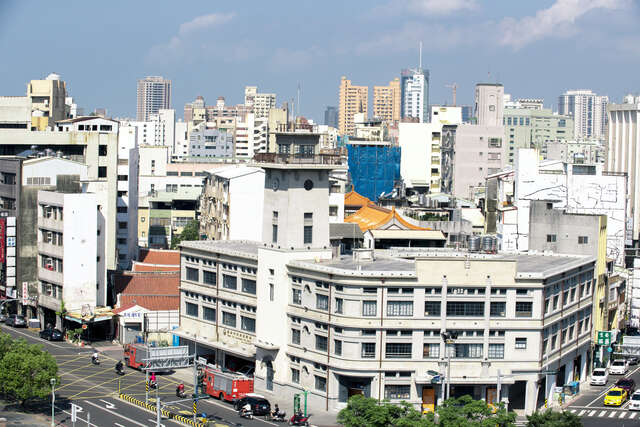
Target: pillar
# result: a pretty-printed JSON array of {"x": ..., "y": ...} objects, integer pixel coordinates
[{"x": 531, "y": 396}]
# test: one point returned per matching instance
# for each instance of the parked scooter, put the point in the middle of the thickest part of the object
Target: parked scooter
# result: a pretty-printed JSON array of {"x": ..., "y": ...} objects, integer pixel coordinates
[
  {"x": 94, "y": 359},
  {"x": 299, "y": 420},
  {"x": 248, "y": 414},
  {"x": 279, "y": 417}
]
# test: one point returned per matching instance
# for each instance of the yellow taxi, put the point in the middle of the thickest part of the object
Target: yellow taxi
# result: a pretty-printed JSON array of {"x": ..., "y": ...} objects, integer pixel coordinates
[{"x": 615, "y": 397}]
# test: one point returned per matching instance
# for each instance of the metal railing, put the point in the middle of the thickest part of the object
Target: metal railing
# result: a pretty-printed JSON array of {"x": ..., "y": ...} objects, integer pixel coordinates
[{"x": 301, "y": 158}]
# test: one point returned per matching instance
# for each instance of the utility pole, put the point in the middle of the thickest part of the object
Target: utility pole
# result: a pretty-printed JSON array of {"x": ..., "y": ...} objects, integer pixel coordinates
[
  {"x": 158, "y": 412},
  {"x": 498, "y": 388}
]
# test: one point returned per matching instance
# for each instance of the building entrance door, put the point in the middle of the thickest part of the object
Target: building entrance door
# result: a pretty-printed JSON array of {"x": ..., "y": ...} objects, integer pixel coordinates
[{"x": 428, "y": 399}]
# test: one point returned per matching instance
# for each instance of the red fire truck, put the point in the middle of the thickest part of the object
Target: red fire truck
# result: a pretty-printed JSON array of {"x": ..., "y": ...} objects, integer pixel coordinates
[{"x": 225, "y": 385}]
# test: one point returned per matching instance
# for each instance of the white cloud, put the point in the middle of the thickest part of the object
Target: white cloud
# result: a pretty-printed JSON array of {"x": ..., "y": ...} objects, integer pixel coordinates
[
  {"x": 176, "y": 46},
  {"x": 556, "y": 21},
  {"x": 205, "y": 21},
  {"x": 440, "y": 7}
]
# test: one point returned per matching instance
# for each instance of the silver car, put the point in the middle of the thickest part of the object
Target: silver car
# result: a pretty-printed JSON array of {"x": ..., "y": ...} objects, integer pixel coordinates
[{"x": 599, "y": 376}]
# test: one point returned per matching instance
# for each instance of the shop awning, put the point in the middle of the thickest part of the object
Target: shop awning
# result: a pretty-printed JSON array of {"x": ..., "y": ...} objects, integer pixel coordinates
[{"x": 99, "y": 314}]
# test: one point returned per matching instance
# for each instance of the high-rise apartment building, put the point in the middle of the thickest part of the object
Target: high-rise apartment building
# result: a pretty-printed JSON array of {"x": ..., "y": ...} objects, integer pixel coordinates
[
  {"x": 489, "y": 104},
  {"x": 154, "y": 94},
  {"x": 414, "y": 85},
  {"x": 261, "y": 102},
  {"x": 353, "y": 99},
  {"x": 331, "y": 116},
  {"x": 47, "y": 98},
  {"x": 589, "y": 112},
  {"x": 623, "y": 151},
  {"x": 386, "y": 101}
]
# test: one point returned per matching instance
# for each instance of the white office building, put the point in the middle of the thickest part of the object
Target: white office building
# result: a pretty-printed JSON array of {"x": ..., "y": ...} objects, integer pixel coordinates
[
  {"x": 414, "y": 94},
  {"x": 154, "y": 94}
]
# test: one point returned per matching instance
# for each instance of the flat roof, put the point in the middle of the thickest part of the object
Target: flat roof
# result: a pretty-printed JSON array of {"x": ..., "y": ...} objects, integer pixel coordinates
[
  {"x": 243, "y": 248},
  {"x": 348, "y": 265},
  {"x": 408, "y": 234}
]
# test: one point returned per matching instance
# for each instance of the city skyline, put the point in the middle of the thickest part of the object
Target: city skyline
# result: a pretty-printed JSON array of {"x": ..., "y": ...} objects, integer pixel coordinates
[{"x": 540, "y": 49}]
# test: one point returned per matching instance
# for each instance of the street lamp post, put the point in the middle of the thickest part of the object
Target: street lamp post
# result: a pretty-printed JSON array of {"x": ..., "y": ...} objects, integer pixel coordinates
[
  {"x": 52, "y": 381},
  {"x": 448, "y": 338}
]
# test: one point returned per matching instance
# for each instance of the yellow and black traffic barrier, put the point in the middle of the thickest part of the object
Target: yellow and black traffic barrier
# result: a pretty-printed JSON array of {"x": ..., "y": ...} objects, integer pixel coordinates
[{"x": 165, "y": 413}]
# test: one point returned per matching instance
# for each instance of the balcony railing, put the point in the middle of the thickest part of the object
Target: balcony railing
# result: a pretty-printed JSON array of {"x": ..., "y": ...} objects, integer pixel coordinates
[{"x": 297, "y": 159}]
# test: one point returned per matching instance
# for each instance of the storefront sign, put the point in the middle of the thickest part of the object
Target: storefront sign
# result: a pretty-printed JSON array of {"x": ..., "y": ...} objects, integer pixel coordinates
[
  {"x": 3, "y": 236},
  {"x": 25, "y": 293}
]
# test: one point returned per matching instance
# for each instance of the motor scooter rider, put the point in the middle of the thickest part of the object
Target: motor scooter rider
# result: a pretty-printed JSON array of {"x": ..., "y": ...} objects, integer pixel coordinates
[
  {"x": 94, "y": 357},
  {"x": 180, "y": 390},
  {"x": 119, "y": 366},
  {"x": 246, "y": 409},
  {"x": 276, "y": 411},
  {"x": 152, "y": 379}
]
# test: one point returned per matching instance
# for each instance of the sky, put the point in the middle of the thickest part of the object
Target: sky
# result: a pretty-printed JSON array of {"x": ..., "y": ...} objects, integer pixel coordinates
[{"x": 537, "y": 49}]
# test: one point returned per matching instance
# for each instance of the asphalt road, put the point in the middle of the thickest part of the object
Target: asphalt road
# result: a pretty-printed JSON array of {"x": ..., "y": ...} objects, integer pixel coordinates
[
  {"x": 590, "y": 405},
  {"x": 94, "y": 390}
]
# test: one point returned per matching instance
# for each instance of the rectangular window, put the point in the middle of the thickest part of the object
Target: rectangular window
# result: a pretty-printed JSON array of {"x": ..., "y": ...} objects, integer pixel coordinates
[
  {"x": 229, "y": 319},
  {"x": 321, "y": 343},
  {"x": 432, "y": 308},
  {"x": 497, "y": 309},
  {"x": 274, "y": 233},
  {"x": 272, "y": 292},
  {"x": 466, "y": 309},
  {"x": 521, "y": 343},
  {"x": 465, "y": 351},
  {"x": 308, "y": 234},
  {"x": 249, "y": 286},
  {"x": 583, "y": 240},
  {"x": 339, "y": 303},
  {"x": 321, "y": 383},
  {"x": 247, "y": 324},
  {"x": 524, "y": 309},
  {"x": 192, "y": 309},
  {"x": 397, "y": 391},
  {"x": 430, "y": 351},
  {"x": 297, "y": 296},
  {"x": 369, "y": 308},
  {"x": 102, "y": 171},
  {"x": 394, "y": 350},
  {"x": 209, "y": 314},
  {"x": 369, "y": 290},
  {"x": 208, "y": 277},
  {"x": 295, "y": 336},
  {"x": 322, "y": 302},
  {"x": 496, "y": 351},
  {"x": 193, "y": 274},
  {"x": 368, "y": 350},
  {"x": 337, "y": 347},
  {"x": 400, "y": 308},
  {"x": 295, "y": 375},
  {"x": 551, "y": 238},
  {"x": 229, "y": 282}
]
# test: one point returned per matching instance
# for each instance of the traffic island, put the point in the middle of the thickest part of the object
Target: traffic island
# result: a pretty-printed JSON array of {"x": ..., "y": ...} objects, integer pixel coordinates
[{"x": 168, "y": 414}]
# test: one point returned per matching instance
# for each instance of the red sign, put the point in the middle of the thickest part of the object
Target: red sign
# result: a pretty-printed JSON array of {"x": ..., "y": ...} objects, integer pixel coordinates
[
  {"x": 84, "y": 326},
  {"x": 3, "y": 236}
]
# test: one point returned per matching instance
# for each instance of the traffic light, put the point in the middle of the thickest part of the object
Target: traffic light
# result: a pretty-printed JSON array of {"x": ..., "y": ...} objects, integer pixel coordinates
[{"x": 200, "y": 383}]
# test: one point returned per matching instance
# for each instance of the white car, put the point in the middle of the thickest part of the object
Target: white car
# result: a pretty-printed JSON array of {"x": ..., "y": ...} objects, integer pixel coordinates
[
  {"x": 634, "y": 401},
  {"x": 618, "y": 367},
  {"x": 599, "y": 376}
]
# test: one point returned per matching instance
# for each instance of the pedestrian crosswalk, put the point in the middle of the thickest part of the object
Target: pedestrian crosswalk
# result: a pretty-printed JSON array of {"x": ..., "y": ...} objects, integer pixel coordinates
[{"x": 599, "y": 413}]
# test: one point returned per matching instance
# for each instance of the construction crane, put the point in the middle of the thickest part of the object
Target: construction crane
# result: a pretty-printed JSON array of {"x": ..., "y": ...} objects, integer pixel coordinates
[{"x": 454, "y": 88}]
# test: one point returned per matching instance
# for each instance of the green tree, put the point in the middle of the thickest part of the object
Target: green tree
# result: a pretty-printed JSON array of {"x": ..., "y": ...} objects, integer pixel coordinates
[
  {"x": 551, "y": 418},
  {"x": 191, "y": 231},
  {"x": 466, "y": 412},
  {"x": 61, "y": 313},
  {"x": 367, "y": 412},
  {"x": 26, "y": 371}
]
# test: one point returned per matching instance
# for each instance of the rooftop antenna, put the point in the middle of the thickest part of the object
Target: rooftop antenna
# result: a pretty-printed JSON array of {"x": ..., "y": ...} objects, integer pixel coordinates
[{"x": 420, "y": 56}]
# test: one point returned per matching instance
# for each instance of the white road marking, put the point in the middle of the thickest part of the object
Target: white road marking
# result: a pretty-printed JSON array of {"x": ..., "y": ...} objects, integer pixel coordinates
[
  {"x": 632, "y": 416},
  {"x": 108, "y": 405},
  {"x": 573, "y": 411},
  {"x": 591, "y": 413},
  {"x": 154, "y": 423},
  {"x": 118, "y": 425},
  {"x": 582, "y": 412},
  {"x": 602, "y": 413},
  {"x": 612, "y": 414},
  {"x": 115, "y": 413},
  {"x": 610, "y": 387},
  {"x": 622, "y": 414}
]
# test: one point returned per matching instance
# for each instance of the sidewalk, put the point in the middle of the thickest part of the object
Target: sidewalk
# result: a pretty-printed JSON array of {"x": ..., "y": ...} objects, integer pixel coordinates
[{"x": 318, "y": 418}]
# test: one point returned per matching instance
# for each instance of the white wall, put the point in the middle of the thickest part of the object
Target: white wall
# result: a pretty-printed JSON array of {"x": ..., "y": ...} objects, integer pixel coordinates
[
  {"x": 246, "y": 199},
  {"x": 415, "y": 159}
]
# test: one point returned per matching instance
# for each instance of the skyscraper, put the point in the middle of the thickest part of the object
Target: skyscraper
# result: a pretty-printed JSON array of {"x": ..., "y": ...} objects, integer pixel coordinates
[
  {"x": 489, "y": 104},
  {"x": 260, "y": 102},
  {"x": 331, "y": 116},
  {"x": 386, "y": 101},
  {"x": 589, "y": 112},
  {"x": 154, "y": 94},
  {"x": 353, "y": 99},
  {"x": 414, "y": 85}
]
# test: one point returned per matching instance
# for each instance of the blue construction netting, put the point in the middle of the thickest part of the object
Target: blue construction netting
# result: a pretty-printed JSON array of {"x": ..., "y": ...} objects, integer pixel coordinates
[{"x": 373, "y": 169}]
